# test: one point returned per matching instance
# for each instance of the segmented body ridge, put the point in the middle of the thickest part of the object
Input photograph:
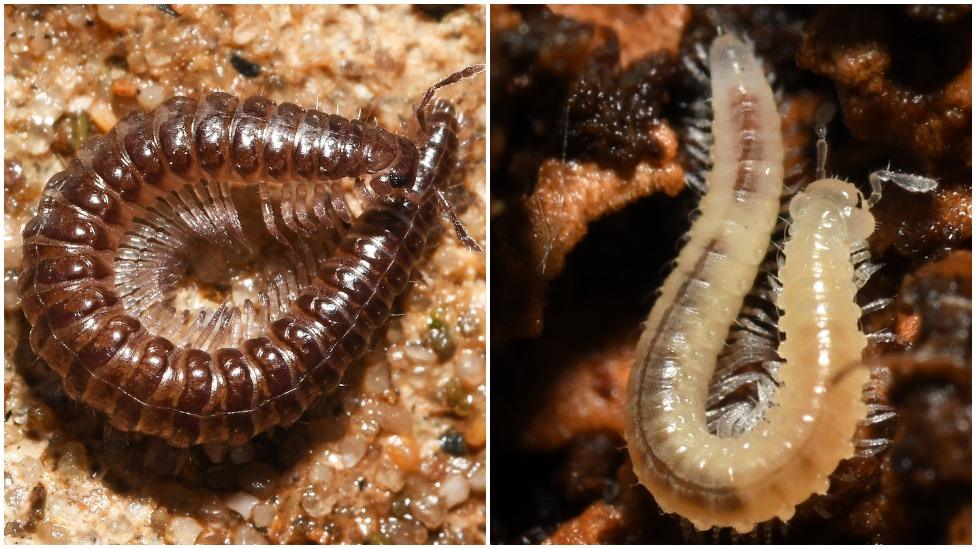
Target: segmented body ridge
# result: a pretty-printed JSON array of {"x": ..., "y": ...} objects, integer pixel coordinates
[
  {"x": 690, "y": 471},
  {"x": 187, "y": 395},
  {"x": 750, "y": 468}
]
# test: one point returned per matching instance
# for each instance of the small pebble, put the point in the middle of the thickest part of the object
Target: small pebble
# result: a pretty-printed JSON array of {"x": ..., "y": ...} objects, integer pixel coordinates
[
  {"x": 136, "y": 62},
  {"x": 242, "y": 503},
  {"x": 429, "y": 508},
  {"x": 453, "y": 443},
  {"x": 351, "y": 450},
  {"x": 322, "y": 473},
  {"x": 248, "y": 69},
  {"x": 420, "y": 354},
  {"x": 263, "y": 514},
  {"x": 403, "y": 452},
  {"x": 76, "y": 16},
  {"x": 389, "y": 477},
  {"x": 159, "y": 518},
  {"x": 79, "y": 103},
  {"x": 393, "y": 418},
  {"x": 439, "y": 339},
  {"x": 469, "y": 324},
  {"x": 30, "y": 470},
  {"x": 214, "y": 511},
  {"x": 402, "y": 531},
  {"x": 454, "y": 490},
  {"x": 246, "y": 535},
  {"x": 476, "y": 431},
  {"x": 478, "y": 478},
  {"x": 151, "y": 96},
  {"x": 182, "y": 530},
  {"x": 53, "y": 534},
  {"x": 212, "y": 538},
  {"x": 103, "y": 117},
  {"x": 38, "y": 145},
  {"x": 318, "y": 504},
  {"x": 245, "y": 32},
  {"x": 470, "y": 368},
  {"x": 119, "y": 17},
  {"x": 396, "y": 356},
  {"x": 74, "y": 460},
  {"x": 158, "y": 57},
  {"x": 362, "y": 93},
  {"x": 376, "y": 378},
  {"x": 455, "y": 398},
  {"x": 20, "y": 414},
  {"x": 123, "y": 87}
]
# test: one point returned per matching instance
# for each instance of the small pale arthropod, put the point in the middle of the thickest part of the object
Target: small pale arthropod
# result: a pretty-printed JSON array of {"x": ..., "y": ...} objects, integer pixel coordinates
[{"x": 764, "y": 472}]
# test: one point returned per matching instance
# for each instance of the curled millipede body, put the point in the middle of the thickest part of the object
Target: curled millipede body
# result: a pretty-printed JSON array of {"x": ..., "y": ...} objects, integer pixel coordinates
[
  {"x": 105, "y": 249},
  {"x": 687, "y": 469},
  {"x": 742, "y": 466}
]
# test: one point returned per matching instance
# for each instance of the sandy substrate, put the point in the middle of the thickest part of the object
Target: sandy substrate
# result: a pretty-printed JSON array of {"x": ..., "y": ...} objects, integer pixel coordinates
[{"x": 398, "y": 454}]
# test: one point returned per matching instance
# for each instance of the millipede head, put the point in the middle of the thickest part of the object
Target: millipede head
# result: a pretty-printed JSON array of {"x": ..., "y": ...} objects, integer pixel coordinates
[
  {"x": 405, "y": 172},
  {"x": 395, "y": 155}
]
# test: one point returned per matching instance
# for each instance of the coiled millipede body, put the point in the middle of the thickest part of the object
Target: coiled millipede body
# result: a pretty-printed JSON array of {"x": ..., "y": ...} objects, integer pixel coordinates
[
  {"x": 741, "y": 479},
  {"x": 103, "y": 249},
  {"x": 707, "y": 479}
]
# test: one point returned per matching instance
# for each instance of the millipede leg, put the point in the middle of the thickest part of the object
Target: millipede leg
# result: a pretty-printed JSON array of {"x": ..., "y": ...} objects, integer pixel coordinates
[
  {"x": 267, "y": 214},
  {"x": 459, "y": 229}
]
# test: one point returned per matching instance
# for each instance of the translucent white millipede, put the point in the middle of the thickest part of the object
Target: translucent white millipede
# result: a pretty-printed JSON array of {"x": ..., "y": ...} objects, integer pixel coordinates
[
  {"x": 687, "y": 469},
  {"x": 766, "y": 471}
]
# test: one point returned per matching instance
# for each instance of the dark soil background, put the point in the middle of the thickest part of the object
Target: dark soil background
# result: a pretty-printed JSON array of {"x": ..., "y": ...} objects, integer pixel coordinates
[{"x": 596, "y": 88}]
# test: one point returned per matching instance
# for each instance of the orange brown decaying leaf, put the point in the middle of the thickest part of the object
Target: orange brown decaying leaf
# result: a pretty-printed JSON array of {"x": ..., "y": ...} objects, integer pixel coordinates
[
  {"x": 586, "y": 397},
  {"x": 641, "y": 29},
  {"x": 595, "y": 525},
  {"x": 570, "y": 195}
]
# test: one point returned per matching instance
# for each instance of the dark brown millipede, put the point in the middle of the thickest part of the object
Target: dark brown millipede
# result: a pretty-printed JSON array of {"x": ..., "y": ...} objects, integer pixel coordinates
[{"x": 150, "y": 167}]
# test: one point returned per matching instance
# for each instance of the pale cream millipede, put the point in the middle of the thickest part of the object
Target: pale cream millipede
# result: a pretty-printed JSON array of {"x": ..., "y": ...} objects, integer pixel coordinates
[{"x": 765, "y": 472}]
